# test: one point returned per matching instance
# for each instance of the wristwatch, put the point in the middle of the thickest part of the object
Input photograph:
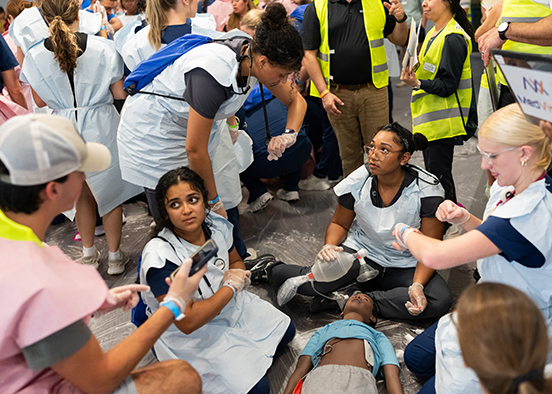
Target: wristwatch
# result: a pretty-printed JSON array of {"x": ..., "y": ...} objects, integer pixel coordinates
[
  {"x": 502, "y": 29},
  {"x": 403, "y": 19},
  {"x": 289, "y": 131},
  {"x": 418, "y": 85}
]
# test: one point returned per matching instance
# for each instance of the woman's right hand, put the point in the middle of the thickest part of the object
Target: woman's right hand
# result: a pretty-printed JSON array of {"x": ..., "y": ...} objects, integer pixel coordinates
[
  {"x": 183, "y": 287},
  {"x": 329, "y": 252},
  {"x": 452, "y": 213},
  {"x": 235, "y": 277},
  {"x": 218, "y": 208}
]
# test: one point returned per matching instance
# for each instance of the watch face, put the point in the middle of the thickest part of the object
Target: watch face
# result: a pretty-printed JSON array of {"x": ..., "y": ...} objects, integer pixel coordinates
[
  {"x": 503, "y": 27},
  {"x": 289, "y": 131}
]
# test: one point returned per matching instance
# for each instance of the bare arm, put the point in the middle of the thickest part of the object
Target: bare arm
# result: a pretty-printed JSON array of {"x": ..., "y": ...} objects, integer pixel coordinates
[
  {"x": 437, "y": 254},
  {"x": 202, "y": 312},
  {"x": 197, "y": 141},
  {"x": 14, "y": 87},
  {"x": 297, "y": 106},
  {"x": 329, "y": 101},
  {"x": 432, "y": 228},
  {"x": 392, "y": 380},
  {"x": 339, "y": 226},
  {"x": 118, "y": 90},
  {"x": 304, "y": 365},
  {"x": 538, "y": 33},
  {"x": 20, "y": 56},
  {"x": 400, "y": 32},
  {"x": 38, "y": 101},
  {"x": 116, "y": 23},
  {"x": 492, "y": 18},
  {"x": 93, "y": 371}
]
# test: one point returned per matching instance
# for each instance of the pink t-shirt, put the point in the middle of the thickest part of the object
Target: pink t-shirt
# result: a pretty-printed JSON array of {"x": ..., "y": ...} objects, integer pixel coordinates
[
  {"x": 42, "y": 291},
  {"x": 221, "y": 9}
]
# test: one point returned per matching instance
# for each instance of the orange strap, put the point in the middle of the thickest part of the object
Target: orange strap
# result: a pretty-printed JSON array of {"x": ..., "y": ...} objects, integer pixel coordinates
[
  {"x": 298, "y": 388},
  {"x": 325, "y": 92}
]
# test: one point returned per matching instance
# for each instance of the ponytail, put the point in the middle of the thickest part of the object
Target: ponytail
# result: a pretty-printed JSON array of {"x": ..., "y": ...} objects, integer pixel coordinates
[
  {"x": 204, "y": 5},
  {"x": 157, "y": 19},
  {"x": 60, "y": 14},
  {"x": 460, "y": 16}
]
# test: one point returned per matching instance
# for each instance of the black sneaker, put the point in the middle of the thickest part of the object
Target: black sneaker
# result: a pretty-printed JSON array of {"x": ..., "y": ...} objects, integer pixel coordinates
[
  {"x": 250, "y": 263},
  {"x": 321, "y": 304},
  {"x": 259, "y": 272}
]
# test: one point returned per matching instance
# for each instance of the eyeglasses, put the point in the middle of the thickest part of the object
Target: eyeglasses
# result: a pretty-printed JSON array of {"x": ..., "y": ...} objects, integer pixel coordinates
[
  {"x": 491, "y": 156},
  {"x": 369, "y": 149}
]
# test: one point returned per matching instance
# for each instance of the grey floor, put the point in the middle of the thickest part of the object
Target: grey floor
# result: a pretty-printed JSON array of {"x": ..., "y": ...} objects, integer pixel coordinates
[{"x": 294, "y": 233}]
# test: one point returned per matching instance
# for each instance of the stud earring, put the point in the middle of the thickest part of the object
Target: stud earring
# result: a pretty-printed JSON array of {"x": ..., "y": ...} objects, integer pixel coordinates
[{"x": 524, "y": 163}]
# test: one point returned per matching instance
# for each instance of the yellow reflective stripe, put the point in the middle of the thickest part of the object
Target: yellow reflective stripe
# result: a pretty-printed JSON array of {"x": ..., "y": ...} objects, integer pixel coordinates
[{"x": 441, "y": 114}]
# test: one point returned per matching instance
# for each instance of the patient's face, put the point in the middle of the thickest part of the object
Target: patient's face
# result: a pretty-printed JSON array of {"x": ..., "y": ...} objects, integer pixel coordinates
[{"x": 362, "y": 304}]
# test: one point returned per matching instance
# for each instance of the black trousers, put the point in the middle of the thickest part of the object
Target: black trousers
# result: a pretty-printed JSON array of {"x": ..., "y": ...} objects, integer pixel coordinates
[
  {"x": 438, "y": 160},
  {"x": 389, "y": 289}
]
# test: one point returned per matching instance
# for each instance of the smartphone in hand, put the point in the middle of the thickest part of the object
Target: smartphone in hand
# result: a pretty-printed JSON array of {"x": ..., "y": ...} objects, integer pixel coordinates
[{"x": 201, "y": 257}]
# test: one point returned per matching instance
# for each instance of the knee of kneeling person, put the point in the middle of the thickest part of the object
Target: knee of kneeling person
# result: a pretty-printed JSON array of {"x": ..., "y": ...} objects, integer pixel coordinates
[
  {"x": 414, "y": 359},
  {"x": 178, "y": 376}
]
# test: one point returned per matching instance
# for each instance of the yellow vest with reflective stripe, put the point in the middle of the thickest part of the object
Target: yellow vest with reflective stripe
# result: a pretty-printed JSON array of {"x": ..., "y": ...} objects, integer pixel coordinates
[
  {"x": 374, "y": 23},
  {"x": 523, "y": 11},
  {"x": 439, "y": 117}
]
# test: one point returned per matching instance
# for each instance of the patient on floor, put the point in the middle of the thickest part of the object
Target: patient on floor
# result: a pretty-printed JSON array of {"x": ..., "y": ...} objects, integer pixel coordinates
[{"x": 345, "y": 356}]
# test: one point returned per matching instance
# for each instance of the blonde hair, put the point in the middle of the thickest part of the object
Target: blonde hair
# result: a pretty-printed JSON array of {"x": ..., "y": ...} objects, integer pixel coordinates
[
  {"x": 509, "y": 126},
  {"x": 251, "y": 19},
  {"x": 235, "y": 19},
  {"x": 60, "y": 14},
  {"x": 504, "y": 339},
  {"x": 155, "y": 14}
]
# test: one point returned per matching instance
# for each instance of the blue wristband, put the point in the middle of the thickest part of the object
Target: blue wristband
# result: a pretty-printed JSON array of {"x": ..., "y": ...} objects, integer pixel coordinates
[
  {"x": 231, "y": 287},
  {"x": 171, "y": 305},
  {"x": 299, "y": 82},
  {"x": 214, "y": 201},
  {"x": 103, "y": 28},
  {"x": 402, "y": 231}
]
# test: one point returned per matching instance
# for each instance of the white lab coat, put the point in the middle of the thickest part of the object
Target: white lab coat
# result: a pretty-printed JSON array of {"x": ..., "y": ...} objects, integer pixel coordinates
[
  {"x": 152, "y": 132},
  {"x": 372, "y": 228},
  {"x": 97, "y": 119},
  {"x": 530, "y": 213},
  {"x": 233, "y": 351}
]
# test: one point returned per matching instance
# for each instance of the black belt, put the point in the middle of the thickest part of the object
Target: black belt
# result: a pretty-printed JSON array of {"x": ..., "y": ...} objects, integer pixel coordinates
[{"x": 349, "y": 87}]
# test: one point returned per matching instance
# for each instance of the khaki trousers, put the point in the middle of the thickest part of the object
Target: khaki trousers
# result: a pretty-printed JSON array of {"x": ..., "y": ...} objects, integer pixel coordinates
[{"x": 365, "y": 111}]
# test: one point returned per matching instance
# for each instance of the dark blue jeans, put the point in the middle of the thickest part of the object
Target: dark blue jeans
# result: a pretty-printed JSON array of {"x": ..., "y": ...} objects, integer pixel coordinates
[
  {"x": 291, "y": 162},
  {"x": 262, "y": 387},
  {"x": 419, "y": 357},
  {"x": 320, "y": 132}
]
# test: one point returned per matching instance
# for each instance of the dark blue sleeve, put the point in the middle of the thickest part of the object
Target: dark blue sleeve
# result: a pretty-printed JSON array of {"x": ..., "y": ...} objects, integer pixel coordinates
[
  {"x": 7, "y": 59},
  {"x": 514, "y": 246},
  {"x": 156, "y": 278}
]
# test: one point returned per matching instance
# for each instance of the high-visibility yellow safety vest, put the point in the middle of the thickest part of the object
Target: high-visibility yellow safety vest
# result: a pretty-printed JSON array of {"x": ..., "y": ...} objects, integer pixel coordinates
[
  {"x": 374, "y": 23},
  {"x": 439, "y": 117},
  {"x": 523, "y": 11}
]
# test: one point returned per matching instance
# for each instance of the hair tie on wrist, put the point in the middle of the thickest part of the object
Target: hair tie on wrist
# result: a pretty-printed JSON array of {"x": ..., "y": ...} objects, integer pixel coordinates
[{"x": 299, "y": 82}]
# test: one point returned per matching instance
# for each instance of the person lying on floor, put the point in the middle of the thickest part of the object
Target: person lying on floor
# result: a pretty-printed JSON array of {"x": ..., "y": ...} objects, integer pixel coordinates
[
  {"x": 345, "y": 356},
  {"x": 370, "y": 201}
]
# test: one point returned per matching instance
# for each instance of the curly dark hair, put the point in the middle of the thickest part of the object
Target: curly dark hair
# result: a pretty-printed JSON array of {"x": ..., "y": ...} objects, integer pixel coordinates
[
  {"x": 171, "y": 178},
  {"x": 277, "y": 39}
]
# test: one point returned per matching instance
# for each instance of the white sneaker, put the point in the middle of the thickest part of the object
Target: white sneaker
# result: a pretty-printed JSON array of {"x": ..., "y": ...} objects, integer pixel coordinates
[
  {"x": 287, "y": 195},
  {"x": 314, "y": 183},
  {"x": 93, "y": 260},
  {"x": 261, "y": 202},
  {"x": 116, "y": 267}
]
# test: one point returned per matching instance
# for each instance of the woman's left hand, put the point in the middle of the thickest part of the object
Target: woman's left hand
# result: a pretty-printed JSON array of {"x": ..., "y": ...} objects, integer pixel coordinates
[
  {"x": 218, "y": 208},
  {"x": 409, "y": 77},
  {"x": 279, "y": 144},
  {"x": 395, "y": 8},
  {"x": 418, "y": 300}
]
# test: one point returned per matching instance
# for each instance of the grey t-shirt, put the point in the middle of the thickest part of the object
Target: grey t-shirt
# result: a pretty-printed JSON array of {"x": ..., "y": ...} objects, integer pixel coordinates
[{"x": 204, "y": 94}]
